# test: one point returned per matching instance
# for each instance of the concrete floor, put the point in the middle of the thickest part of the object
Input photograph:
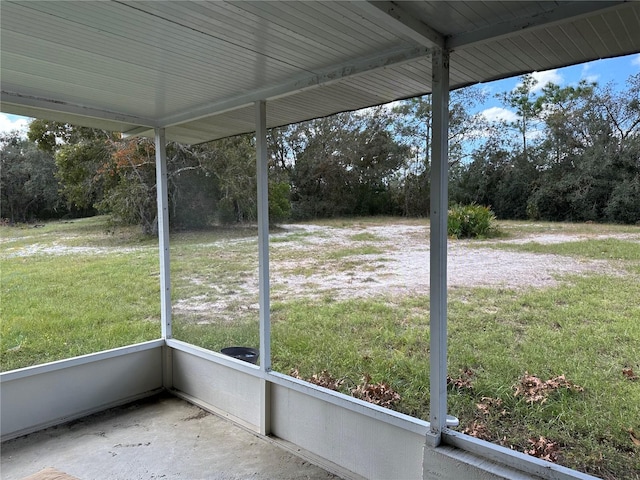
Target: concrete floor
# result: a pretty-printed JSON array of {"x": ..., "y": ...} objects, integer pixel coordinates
[{"x": 160, "y": 438}]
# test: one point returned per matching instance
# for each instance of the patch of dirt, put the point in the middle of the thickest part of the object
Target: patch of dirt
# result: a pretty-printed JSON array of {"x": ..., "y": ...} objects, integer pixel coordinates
[
  {"x": 555, "y": 238},
  {"x": 305, "y": 268},
  {"x": 313, "y": 261},
  {"x": 404, "y": 266},
  {"x": 57, "y": 249}
]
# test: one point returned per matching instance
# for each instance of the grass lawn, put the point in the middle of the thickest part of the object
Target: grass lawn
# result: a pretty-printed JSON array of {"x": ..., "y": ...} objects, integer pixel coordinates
[{"x": 548, "y": 370}]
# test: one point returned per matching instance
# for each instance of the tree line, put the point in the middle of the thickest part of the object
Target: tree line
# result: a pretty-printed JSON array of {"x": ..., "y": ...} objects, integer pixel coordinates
[{"x": 568, "y": 154}]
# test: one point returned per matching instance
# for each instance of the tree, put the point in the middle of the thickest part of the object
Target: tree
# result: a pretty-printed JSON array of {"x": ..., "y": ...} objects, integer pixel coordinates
[
  {"x": 131, "y": 193},
  {"x": 28, "y": 185},
  {"x": 322, "y": 183},
  {"x": 527, "y": 108},
  {"x": 591, "y": 154},
  {"x": 374, "y": 158},
  {"x": 346, "y": 165},
  {"x": 229, "y": 168},
  {"x": 413, "y": 126},
  {"x": 80, "y": 154}
]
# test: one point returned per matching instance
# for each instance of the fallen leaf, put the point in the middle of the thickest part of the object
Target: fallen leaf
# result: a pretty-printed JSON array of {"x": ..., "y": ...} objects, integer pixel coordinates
[
  {"x": 379, "y": 394},
  {"x": 544, "y": 449},
  {"x": 628, "y": 372},
  {"x": 534, "y": 390},
  {"x": 478, "y": 430},
  {"x": 323, "y": 379},
  {"x": 487, "y": 403},
  {"x": 463, "y": 382}
]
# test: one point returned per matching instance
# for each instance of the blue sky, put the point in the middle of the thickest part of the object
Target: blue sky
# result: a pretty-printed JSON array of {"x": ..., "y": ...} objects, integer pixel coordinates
[{"x": 615, "y": 70}]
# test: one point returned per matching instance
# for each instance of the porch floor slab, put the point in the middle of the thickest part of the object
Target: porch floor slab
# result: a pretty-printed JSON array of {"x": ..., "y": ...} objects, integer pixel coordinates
[{"x": 159, "y": 438}]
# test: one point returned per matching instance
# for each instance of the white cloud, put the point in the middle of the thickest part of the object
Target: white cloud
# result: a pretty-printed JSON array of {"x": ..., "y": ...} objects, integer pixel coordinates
[
  {"x": 548, "y": 76},
  {"x": 495, "y": 114},
  {"x": 9, "y": 123},
  {"x": 586, "y": 76},
  {"x": 542, "y": 78},
  {"x": 635, "y": 61}
]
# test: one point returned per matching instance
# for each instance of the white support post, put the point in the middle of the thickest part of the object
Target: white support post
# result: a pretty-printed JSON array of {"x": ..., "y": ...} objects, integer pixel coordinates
[
  {"x": 163, "y": 249},
  {"x": 438, "y": 246},
  {"x": 263, "y": 262},
  {"x": 163, "y": 232}
]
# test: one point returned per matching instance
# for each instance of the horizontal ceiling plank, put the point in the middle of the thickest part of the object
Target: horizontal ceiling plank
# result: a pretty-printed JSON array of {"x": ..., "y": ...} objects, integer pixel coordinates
[
  {"x": 395, "y": 18},
  {"x": 254, "y": 36},
  {"x": 216, "y": 16},
  {"x": 325, "y": 34},
  {"x": 334, "y": 74},
  {"x": 69, "y": 108},
  {"x": 570, "y": 10},
  {"x": 139, "y": 82},
  {"x": 28, "y": 87},
  {"x": 137, "y": 41}
]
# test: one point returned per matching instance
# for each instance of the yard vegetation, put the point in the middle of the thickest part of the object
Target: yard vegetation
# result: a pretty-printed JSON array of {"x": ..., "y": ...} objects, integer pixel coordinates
[{"x": 544, "y": 336}]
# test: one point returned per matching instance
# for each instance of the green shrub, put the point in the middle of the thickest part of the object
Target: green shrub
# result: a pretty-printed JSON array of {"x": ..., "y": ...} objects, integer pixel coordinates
[
  {"x": 471, "y": 221},
  {"x": 279, "y": 203}
]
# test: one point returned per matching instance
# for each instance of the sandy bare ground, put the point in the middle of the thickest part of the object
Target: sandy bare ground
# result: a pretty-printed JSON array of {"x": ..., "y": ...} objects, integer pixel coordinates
[
  {"x": 312, "y": 261},
  {"x": 400, "y": 267},
  {"x": 404, "y": 266}
]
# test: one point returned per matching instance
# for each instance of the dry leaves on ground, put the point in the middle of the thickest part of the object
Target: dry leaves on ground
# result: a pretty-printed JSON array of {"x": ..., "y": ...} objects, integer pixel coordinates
[
  {"x": 479, "y": 430},
  {"x": 322, "y": 379},
  {"x": 463, "y": 382},
  {"x": 634, "y": 439},
  {"x": 488, "y": 403},
  {"x": 378, "y": 394},
  {"x": 534, "y": 390},
  {"x": 629, "y": 374},
  {"x": 544, "y": 449}
]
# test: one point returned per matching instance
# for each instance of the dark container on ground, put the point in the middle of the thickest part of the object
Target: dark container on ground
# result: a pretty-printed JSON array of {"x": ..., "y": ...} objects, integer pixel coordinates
[{"x": 246, "y": 354}]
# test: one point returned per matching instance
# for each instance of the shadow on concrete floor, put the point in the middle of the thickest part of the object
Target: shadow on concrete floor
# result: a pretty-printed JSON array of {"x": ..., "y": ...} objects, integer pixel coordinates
[{"x": 159, "y": 438}]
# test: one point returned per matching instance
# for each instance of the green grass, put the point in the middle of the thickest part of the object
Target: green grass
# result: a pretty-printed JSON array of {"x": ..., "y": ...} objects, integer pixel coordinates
[
  {"x": 519, "y": 228},
  {"x": 601, "y": 249},
  {"x": 364, "y": 222},
  {"x": 58, "y": 307},
  {"x": 296, "y": 237},
  {"x": 216, "y": 337},
  {"x": 366, "y": 237},
  {"x": 586, "y": 328},
  {"x": 353, "y": 251}
]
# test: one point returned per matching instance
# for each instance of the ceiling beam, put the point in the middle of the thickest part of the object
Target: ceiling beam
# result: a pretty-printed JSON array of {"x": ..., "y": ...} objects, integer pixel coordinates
[
  {"x": 563, "y": 12},
  {"x": 394, "y": 57},
  {"x": 402, "y": 23},
  {"x": 10, "y": 98}
]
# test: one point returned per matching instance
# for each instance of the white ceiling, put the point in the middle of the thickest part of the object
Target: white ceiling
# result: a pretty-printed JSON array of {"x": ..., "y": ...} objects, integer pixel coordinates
[{"x": 196, "y": 68}]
